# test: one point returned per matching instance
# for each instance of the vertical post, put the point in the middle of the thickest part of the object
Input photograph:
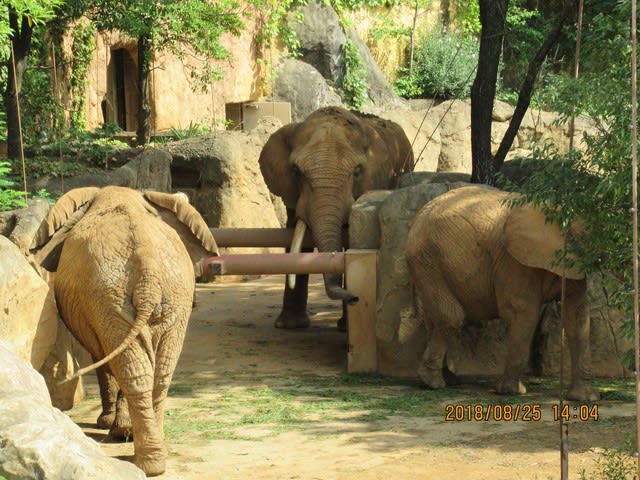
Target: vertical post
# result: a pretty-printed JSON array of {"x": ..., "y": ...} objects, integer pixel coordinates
[{"x": 360, "y": 279}]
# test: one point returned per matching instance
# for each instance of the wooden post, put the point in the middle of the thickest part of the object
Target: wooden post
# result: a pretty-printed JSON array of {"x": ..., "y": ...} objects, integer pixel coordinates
[{"x": 360, "y": 279}]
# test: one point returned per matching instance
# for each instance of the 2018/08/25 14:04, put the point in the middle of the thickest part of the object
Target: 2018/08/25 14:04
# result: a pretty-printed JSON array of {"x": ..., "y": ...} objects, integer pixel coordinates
[{"x": 525, "y": 412}]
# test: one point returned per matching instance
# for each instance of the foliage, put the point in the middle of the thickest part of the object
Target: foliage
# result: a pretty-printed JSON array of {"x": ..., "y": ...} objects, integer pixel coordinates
[
  {"x": 613, "y": 464},
  {"x": 468, "y": 15},
  {"x": 444, "y": 67},
  {"x": 173, "y": 24},
  {"x": 525, "y": 32},
  {"x": 75, "y": 153},
  {"x": 82, "y": 50},
  {"x": 595, "y": 184},
  {"x": 42, "y": 114},
  {"x": 354, "y": 83},
  {"x": 275, "y": 25},
  {"x": 10, "y": 198}
]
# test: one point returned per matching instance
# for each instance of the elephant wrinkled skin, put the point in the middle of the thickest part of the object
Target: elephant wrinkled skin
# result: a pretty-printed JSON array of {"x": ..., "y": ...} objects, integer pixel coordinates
[
  {"x": 320, "y": 167},
  {"x": 124, "y": 287},
  {"x": 473, "y": 258}
]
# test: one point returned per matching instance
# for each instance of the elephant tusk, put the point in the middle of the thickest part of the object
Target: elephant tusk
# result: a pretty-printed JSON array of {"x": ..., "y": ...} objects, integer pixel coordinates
[{"x": 296, "y": 247}]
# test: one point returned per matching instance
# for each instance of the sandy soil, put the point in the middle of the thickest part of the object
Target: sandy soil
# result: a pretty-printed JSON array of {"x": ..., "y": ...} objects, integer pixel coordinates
[{"x": 232, "y": 349}]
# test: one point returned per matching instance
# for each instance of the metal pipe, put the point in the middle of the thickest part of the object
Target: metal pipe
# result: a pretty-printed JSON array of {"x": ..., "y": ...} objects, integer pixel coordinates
[
  {"x": 262, "y": 237},
  {"x": 277, "y": 263}
]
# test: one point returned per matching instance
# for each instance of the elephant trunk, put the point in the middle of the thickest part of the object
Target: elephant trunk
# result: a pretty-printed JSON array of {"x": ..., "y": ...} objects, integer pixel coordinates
[{"x": 327, "y": 234}]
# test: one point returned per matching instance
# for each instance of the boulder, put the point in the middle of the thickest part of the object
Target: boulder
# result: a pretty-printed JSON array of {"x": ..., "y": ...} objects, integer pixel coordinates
[
  {"x": 455, "y": 135},
  {"x": 322, "y": 39},
  {"x": 28, "y": 313},
  {"x": 304, "y": 88},
  {"x": 221, "y": 176},
  {"x": 21, "y": 225},
  {"x": 66, "y": 356},
  {"x": 37, "y": 440},
  {"x": 422, "y": 130}
]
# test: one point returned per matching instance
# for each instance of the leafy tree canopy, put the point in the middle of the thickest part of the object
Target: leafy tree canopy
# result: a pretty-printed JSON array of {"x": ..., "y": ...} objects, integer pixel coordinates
[
  {"x": 594, "y": 184},
  {"x": 172, "y": 24}
]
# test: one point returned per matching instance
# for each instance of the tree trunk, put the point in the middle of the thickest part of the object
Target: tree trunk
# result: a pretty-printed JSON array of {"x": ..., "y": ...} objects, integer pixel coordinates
[
  {"x": 524, "y": 96},
  {"x": 21, "y": 42},
  {"x": 493, "y": 14},
  {"x": 143, "y": 131}
]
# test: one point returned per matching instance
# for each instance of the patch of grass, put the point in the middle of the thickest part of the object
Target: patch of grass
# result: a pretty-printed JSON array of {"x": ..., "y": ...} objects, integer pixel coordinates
[
  {"x": 622, "y": 389},
  {"x": 301, "y": 403},
  {"x": 257, "y": 408}
]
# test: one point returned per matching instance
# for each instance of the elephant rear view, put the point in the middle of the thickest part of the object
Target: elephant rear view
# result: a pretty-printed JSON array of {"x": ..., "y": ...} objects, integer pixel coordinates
[
  {"x": 473, "y": 258},
  {"x": 124, "y": 287},
  {"x": 319, "y": 167}
]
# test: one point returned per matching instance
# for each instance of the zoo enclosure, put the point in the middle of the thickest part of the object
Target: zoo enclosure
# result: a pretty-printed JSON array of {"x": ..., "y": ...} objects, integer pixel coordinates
[{"x": 358, "y": 267}]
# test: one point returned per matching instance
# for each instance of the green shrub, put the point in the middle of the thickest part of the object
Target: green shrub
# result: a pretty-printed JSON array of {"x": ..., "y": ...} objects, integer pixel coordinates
[
  {"x": 9, "y": 197},
  {"x": 444, "y": 68},
  {"x": 354, "y": 84}
]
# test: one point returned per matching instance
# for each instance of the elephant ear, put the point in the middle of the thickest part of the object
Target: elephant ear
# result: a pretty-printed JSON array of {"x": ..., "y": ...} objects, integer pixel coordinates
[
  {"x": 64, "y": 208},
  {"x": 389, "y": 153},
  {"x": 61, "y": 219},
  {"x": 178, "y": 213},
  {"x": 532, "y": 241},
  {"x": 276, "y": 166}
]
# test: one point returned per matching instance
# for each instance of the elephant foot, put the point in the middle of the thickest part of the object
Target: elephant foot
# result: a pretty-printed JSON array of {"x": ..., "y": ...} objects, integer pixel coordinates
[
  {"x": 582, "y": 393},
  {"x": 105, "y": 420},
  {"x": 151, "y": 464},
  {"x": 431, "y": 377},
  {"x": 509, "y": 386},
  {"x": 342, "y": 324},
  {"x": 292, "y": 320},
  {"x": 123, "y": 433}
]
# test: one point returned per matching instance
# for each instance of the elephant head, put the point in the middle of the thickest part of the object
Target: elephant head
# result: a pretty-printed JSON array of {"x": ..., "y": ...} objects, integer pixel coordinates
[
  {"x": 174, "y": 209},
  {"x": 319, "y": 167}
]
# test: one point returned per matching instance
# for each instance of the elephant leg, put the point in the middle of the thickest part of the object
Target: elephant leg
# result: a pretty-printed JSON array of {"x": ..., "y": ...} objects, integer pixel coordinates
[
  {"x": 108, "y": 395},
  {"x": 294, "y": 305},
  {"x": 442, "y": 314},
  {"x": 134, "y": 372},
  {"x": 522, "y": 320},
  {"x": 167, "y": 355},
  {"x": 121, "y": 428},
  {"x": 576, "y": 326}
]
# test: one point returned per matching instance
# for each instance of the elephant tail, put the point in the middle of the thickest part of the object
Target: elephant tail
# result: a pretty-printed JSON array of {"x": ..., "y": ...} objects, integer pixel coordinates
[{"x": 140, "y": 321}]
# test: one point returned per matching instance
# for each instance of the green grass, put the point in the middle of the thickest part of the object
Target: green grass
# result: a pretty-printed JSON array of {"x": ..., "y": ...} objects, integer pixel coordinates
[
  {"x": 297, "y": 403},
  {"x": 245, "y": 407}
]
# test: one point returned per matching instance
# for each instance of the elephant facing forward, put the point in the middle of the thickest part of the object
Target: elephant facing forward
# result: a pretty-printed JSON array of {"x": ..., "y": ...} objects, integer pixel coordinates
[
  {"x": 319, "y": 167},
  {"x": 124, "y": 287},
  {"x": 473, "y": 258}
]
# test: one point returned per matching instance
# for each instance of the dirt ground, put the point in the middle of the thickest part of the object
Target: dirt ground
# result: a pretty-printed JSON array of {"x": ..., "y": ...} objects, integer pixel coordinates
[{"x": 252, "y": 401}]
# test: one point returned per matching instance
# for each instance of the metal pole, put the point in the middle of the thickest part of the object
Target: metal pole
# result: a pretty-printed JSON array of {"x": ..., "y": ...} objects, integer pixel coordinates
[
  {"x": 634, "y": 209},
  {"x": 277, "y": 263}
]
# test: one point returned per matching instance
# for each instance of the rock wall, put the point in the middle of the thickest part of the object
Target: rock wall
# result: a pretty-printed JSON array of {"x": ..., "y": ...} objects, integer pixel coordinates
[
  {"x": 39, "y": 441},
  {"x": 382, "y": 219}
]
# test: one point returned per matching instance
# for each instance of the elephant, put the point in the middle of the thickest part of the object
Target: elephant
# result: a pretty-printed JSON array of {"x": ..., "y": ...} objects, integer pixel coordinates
[
  {"x": 319, "y": 167},
  {"x": 471, "y": 258},
  {"x": 124, "y": 286}
]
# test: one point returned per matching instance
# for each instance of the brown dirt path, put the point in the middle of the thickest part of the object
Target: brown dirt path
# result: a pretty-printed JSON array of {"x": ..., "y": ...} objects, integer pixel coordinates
[{"x": 232, "y": 352}]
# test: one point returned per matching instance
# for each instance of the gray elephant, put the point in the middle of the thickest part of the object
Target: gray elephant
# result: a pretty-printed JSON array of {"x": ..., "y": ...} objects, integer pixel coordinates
[
  {"x": 473, "y": 258},
  {"x": 124, "y": 287},
  {"x": 320, "y": 167}
]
